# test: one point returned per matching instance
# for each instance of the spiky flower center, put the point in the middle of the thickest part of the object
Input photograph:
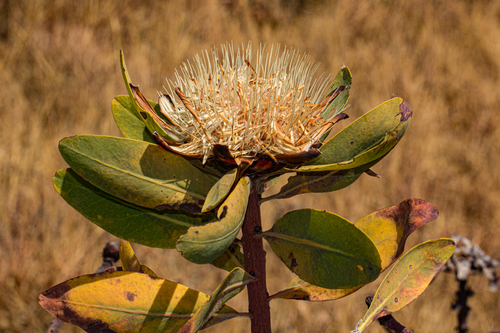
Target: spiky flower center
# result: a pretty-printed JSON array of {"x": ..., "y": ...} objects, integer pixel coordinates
[{"x": 253, "y": 102}]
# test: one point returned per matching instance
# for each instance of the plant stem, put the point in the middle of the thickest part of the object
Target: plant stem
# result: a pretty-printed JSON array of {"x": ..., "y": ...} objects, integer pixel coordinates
[{"x": 255, "y": 264}]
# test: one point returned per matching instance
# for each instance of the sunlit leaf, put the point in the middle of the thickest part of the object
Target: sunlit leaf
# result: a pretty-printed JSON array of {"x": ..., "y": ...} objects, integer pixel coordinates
[
  {"x": 128, "y": 259},
  {"x": 368, "y": 138},
  {"x": 122, "y": 219},
  {"x": 232, "y": 285},
  {"x": 128, "y": 121},
  {"x": 147, "y": 116},
  {"x": 301, "y": 290},
  {"x": 319, "y": 182},
  {"x": 389, "y": 228},
  {"x": 342, "y": 79},
  {"x": 409, "y": 277},
  {"x": 205, "y": 243},
  {"x": 324, "y": 249},
  {"x": 148, "y": 271},
  {"x": 220, "y": 190},
  {"x": 126, "y": 302},
  {"x": 137, "y": 172}
]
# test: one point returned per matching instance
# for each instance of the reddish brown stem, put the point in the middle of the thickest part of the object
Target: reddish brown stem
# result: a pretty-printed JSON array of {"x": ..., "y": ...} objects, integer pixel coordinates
[{"x": 255, "y": 264}]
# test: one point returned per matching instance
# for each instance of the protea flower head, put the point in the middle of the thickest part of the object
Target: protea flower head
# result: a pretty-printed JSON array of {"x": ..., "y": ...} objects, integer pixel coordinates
[{"x": 246, "y": 107}]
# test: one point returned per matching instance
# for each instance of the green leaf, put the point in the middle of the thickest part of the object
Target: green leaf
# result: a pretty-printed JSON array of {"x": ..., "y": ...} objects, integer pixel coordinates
[
  {"x": 230, "y": 259},
  {"x": 126, "y": 302},
  {"x": 324, "y": 249},
  {"x": 122, "y": 219},
  {"x": 137, "y": 172},
  {"x": 220, "y": 190},
  {"x": 343, "y": 78},
  {"x": 319, "y": 182},
  {"x": 368, "y": 138},
  {"x": 409, "y": 277},
  {"x": 206, "y": 243},
  {"x": 147, "y": 116},
  {"x": 128, "y": 121},
  {"x": 301, "y": 290},
  {"x": 233, "y": 284},
  {"x": 389, "y": 228}
]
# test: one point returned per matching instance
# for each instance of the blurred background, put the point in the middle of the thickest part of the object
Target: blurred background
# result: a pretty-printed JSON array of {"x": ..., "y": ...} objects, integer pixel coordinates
[{"x": 59, "y": 71}]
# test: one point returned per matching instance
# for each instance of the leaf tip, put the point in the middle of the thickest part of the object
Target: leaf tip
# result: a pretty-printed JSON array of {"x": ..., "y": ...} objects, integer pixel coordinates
[{"x": 405, "y": 111}]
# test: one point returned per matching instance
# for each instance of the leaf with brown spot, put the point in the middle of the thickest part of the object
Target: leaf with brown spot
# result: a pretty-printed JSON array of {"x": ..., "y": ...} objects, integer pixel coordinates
[
  {"x": 389, "y": 228},
  {"x": 128, "y": 121},
  {"x": 126, "y": 302},
  {"x": 318, "y": 182},
  {"x": 338, "y": 93},
  {"x": 145, "y": 113},
  {"x": 368, "y": 138},
  {"x": 301, "y": 290},
  {"x": 233, "y": 284},
  {"x": 206, "y": 243},
  {"x": 324, "y": 249},
  {"x": 409, "y": 277}
]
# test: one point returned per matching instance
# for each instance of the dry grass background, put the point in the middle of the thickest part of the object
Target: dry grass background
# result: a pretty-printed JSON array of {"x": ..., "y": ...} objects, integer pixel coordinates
[{"x": 59, "y": 71}]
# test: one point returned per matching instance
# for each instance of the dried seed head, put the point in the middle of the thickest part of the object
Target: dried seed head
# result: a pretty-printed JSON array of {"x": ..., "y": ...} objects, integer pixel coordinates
[{"x": 254, "y": 102}]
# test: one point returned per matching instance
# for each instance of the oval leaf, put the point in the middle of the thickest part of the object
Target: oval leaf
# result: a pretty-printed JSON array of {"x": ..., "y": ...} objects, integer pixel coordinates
[
  {"x": 233, "y": 284},
  {"x": 301, "y": 290},
  {"x": 122, "y": 219},
  {"x": 126, "y": 302},
  {"x": 389, "y": 228},
  {"x": 324, "y": 249},
  {"x": 137, "y": 172},
  {"x": 409, "y": 277},
  {"x": 368, "y": 138},
  {"x": 220, "y": 190},
  {"x": 206, "y": 243},
  {"x": 128, "y": 121},
  {"x": 319, "y": 182}
]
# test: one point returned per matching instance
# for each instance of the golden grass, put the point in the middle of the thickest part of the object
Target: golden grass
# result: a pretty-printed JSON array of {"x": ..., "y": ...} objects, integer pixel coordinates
[{"x": 59, "y": 71}]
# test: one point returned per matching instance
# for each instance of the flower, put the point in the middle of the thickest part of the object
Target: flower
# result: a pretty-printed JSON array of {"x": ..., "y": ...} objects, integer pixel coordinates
[{"x": 246, "y": 108}]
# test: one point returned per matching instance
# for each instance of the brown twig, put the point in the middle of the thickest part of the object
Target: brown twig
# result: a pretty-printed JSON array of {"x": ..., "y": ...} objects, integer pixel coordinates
[
  {"x": 469, "y": 259},
  {"x": 110, "y": 255},
  {"x": 255, "y": 264},
  {"x": 388, "y": 322}
]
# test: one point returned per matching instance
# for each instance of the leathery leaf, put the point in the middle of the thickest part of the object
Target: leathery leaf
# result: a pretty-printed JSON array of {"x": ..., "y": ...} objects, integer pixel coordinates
[
  {"x": 368, "y": 138},
  {"x": 319, "y": 182},
  {"x": 342, "y": 79},
  {"x": 409, "y": 277},
  {"x": 389, "y": 228},
  {"x": 301, "y": 290},
  {"x": 128, "y": 121},
  {"x": 324, "y": 249},
  {"x": 233, "y": 284},
  {"x": 220, "y": 190},
  {"x": 126, "y": 302},
  {"x": 206, "y": 243},
  {"x": 138, "y": 172},
  {"x": 122, "y": 219},
  {"x": 145, "y": 115},
  {"x": 230, "y": 259}
]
